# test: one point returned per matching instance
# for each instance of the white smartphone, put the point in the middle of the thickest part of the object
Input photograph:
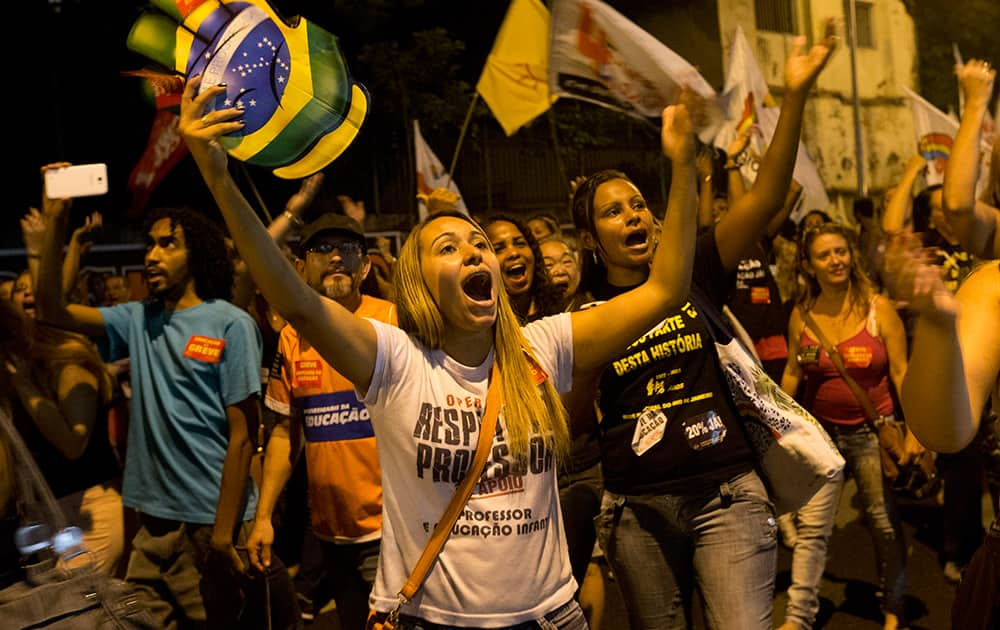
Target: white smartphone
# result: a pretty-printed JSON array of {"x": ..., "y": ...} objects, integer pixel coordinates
[{"x": 80, "y": 180}]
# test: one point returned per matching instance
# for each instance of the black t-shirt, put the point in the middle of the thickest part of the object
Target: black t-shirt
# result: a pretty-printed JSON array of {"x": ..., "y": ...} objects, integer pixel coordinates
[
  {"x": 755, "y": 299},
  {"x": 955, "y": 263},
  {"x": 666, "y": 394}
]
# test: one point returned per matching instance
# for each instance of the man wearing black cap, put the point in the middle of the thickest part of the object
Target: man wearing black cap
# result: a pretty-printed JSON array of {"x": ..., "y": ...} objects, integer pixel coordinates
[{"x": 311, "y": 398}]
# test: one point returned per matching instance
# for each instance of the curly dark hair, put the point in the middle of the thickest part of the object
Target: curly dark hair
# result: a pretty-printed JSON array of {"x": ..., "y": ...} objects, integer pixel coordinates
[
  {"x": 208, "y": 258},
  {"x": 592, "y": 271},
  {"x": 546, "y": 297}
]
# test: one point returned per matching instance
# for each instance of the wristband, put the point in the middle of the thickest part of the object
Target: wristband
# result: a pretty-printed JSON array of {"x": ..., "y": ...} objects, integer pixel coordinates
[{"x": 294, "y": 220}]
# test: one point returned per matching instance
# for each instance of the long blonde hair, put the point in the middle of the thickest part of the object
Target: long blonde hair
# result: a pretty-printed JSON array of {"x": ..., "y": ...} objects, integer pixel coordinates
[{"x": 527, "y": 409}]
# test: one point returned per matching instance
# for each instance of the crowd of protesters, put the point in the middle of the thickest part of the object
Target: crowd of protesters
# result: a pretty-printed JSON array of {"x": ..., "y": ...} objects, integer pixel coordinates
[{"x": 170, "y": 428}]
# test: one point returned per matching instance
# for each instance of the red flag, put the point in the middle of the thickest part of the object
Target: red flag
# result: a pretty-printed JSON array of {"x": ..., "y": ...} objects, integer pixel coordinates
[{"x": 165, "y": 147}]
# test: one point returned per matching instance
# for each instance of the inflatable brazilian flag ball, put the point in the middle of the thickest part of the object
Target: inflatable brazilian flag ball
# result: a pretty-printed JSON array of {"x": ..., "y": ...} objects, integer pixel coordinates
[{"x": 302, "y": 109}]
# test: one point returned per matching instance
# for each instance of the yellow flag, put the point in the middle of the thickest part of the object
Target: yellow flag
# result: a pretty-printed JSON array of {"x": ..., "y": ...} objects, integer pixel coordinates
[{"x": 515, "y": 82}]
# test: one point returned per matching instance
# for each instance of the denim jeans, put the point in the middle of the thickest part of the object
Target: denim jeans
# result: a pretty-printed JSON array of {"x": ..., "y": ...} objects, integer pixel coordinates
[
  {"x": 814, "y": 525},
  {"x": 569, "y": 616},
  {"x": 859, "y": 446},
  {"x": 720, "y": 535}
]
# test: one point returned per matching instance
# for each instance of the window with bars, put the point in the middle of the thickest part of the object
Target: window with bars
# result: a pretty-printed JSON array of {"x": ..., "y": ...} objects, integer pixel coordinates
[{"x": 775, "y": 15}]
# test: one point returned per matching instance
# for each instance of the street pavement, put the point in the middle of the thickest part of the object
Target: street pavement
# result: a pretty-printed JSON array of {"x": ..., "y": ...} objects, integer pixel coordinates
[{"x": 847, "y": 594}]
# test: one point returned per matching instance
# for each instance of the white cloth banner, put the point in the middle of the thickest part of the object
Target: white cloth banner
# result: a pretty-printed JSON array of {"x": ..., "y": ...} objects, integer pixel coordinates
[
  {"x": 431, "y": 173},
  {"x": 749, "y": 102},
  {"x": 598, "y": 55}
]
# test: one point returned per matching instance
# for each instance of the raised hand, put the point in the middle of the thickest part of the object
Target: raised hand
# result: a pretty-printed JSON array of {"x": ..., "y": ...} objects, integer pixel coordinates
[
  {"x": 303, "y": 198},
  {"x": 741, "y": 141},
  {"x": 200, "y": 130},
  {"x": 85, "y": 234},
  {"x": 677, "y": 134},
  {"x": 910, "y": 277},
  {"x": 697, "y": 107},
  {"x": 54, "y": 207},
  {"x": 574, "y": 184},
  {"x": 802, "y": 68},
  {"x": 383, "y": 245},
  {"x": 439, "y": 200},
  {"x": 976, "y": 79},
  {"x": 352, "y": 208},
  {"x": 33, "y": 230}
]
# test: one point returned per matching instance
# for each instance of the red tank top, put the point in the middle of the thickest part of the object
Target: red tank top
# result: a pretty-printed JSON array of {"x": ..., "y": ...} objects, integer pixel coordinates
[{"x": 827, "y": 394}]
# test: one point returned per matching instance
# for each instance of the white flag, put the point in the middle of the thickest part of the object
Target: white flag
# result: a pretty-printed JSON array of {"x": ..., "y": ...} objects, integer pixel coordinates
[
  {"x": 431, "y": 174},
  {"x": 749, "y": 102},
  {"x": 598, "y": 55}
]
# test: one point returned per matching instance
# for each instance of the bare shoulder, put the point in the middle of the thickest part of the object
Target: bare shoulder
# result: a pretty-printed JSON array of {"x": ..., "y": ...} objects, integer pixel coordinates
[{"x": 981, "y": 289}]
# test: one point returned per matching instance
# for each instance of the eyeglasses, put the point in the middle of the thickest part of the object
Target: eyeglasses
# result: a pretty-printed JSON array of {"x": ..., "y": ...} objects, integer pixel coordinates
[{"x": 346, "y": 249}]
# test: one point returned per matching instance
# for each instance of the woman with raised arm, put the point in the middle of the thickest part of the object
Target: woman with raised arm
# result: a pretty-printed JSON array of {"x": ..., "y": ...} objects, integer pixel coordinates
[
  {"x": 684, "y": 506},
  {"x": 505, "y": 563},
  {"x": 976, "y": 223}
]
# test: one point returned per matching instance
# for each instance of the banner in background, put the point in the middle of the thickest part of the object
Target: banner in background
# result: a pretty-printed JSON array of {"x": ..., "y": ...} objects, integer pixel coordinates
[
  {"x": 431, "y": 173},
  {"x": 598, "y": 55}
]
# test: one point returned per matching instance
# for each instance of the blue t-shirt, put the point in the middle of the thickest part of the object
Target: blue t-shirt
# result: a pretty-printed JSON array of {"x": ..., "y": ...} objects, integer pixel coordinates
[{"x": 187, "y": 366}]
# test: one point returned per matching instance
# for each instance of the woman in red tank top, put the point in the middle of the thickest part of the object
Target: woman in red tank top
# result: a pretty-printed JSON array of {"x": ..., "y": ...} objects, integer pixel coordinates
[{"x": 868, "y": 334}]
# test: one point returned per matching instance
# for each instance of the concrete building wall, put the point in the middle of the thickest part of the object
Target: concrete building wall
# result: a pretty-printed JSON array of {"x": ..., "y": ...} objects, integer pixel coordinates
[{"x": 887, "y": 135}]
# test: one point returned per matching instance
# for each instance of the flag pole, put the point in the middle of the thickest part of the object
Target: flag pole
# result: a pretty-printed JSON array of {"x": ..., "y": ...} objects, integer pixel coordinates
[
  {"x": 461, "y": 137},
  {"x": 958, "y": 62},
  {"x": 256, "y": 193},
  {"x": 858, "y": 148}
]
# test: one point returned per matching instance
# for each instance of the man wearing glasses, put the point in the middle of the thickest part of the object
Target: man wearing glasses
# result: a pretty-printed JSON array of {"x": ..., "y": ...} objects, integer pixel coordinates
[{"x": 310, "y": 398}]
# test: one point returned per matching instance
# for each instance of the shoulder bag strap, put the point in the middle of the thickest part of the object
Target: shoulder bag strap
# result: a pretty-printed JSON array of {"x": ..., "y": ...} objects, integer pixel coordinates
[
  {"x": 494, "y": 399},
  {"x": 838, "y": 361}
]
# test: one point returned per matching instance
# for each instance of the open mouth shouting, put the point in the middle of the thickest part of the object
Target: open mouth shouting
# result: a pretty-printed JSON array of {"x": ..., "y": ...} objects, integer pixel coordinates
[
  {"x": 637, "y": 239},
  {"x": 478, "y": 287},
  {"x": 515, "y": 276}
]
